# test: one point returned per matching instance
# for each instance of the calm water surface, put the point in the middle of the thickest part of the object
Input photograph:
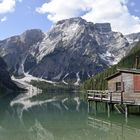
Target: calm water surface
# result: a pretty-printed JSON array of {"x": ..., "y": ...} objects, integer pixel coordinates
[{"x": 62, "y": 116}]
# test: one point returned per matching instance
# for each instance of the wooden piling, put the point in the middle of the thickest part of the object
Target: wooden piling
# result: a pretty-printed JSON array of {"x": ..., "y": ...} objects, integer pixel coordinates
[
  {"x": 139, "y": 108},
  {"x": 106, "y": 106},
  {"x": 108, "y": 110},
  {"x": 95, "y": 107},
  {"x": 126, "y": 112},
  {"x": 110, "y": 99},
  {"x": 88, "y": 106}
]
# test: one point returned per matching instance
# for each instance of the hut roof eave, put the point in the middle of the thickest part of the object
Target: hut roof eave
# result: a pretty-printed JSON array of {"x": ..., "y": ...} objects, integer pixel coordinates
[{"x": 133, "y": 71}]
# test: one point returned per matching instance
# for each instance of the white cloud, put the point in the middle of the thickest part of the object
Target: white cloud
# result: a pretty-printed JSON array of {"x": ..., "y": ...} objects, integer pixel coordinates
[
  {"x": 113, "y": 11},
  {"x": 7, "y": 6},
  {"x": 3, "y": 19},
  {"x": 62, "y": 9}
]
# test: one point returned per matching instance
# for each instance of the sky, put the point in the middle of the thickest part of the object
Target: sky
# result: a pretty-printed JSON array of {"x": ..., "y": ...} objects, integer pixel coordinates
[{"x": 17, "y": 16}]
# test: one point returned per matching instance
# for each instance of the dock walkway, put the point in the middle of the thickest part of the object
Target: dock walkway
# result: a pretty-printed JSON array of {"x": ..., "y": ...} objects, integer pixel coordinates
[
  {"x": 118, "y": 100},
  {"x": 109, "y": 96}
]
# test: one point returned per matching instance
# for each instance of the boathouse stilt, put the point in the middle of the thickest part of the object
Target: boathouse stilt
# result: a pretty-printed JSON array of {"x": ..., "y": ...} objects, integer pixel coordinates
[
  {"x": 88, "y": 106},
  {"x": 95, "y": 108},
  {"x": 106, "y": 106},
  {"x": 108, "y": 110},
  {"x": 139, "y": 109},
  {"x": 126, "y": 113}
]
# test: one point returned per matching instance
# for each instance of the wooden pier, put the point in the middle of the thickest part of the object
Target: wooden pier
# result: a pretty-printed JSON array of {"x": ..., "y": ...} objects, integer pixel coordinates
[
  {"x": 119, "y": 101},
  {"x": 109, "y": 96}
]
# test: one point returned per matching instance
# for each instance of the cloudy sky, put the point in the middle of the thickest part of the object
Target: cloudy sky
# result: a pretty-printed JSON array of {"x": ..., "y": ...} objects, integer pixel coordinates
[{"x": 16, "y": 16}]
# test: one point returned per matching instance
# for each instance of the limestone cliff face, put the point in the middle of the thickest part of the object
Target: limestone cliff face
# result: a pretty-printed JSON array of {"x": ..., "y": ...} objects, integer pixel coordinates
[{"x": 73, "y": 49}]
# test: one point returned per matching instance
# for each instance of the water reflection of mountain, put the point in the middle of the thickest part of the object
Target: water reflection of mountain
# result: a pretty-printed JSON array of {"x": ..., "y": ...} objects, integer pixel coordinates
[
  {"x": 54, "y": 118},
  {"x": 64, "y": 118}
]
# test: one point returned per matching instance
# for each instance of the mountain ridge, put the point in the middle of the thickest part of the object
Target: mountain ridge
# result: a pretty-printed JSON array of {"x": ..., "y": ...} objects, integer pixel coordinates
[
  {"x": 98, "y": 82},
  {"x": 72, "y": 50}
]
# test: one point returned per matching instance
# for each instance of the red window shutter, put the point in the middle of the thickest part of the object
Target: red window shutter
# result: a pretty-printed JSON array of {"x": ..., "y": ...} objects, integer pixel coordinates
[{"x": 136, "y": 83}]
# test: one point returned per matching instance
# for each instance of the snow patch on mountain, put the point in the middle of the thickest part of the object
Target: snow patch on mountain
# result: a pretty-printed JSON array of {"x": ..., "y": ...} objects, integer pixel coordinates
[
  {"x": 63, "y": 80},
  {"x": 78, "y": 79},
  {"x": 73, "y": 48}
]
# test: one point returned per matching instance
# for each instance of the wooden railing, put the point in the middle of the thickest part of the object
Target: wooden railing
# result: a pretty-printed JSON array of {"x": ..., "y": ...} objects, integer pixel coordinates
[
  {"x": 107, "y": 96},
  {"x": 100, "y": 95}
]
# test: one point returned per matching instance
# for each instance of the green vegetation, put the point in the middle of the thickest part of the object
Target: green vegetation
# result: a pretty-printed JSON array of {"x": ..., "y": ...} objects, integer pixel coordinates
[
  {"x": 58, "y": 87},
  {"x": 98, "y": 82}
]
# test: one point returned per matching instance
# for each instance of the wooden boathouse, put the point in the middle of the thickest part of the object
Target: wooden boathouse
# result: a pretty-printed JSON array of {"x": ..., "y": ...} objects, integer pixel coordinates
[{"x": 123, "y": 90}]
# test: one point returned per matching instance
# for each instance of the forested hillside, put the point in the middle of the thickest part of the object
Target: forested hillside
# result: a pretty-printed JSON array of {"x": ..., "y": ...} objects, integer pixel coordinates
[{"x": 129, "y": 61}]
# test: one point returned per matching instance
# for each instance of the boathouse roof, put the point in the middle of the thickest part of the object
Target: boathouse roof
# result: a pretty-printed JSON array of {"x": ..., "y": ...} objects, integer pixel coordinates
[{"x": 119, "y": 71}]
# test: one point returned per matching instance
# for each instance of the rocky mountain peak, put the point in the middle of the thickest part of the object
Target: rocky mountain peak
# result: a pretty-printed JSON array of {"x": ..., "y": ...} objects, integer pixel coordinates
[
  {"x": 100, "y": 27},
  {"x": 75, "y": 20},
  {"x": 73, "y": 49},
  {"x": 70, "y": 25},
  {"x": 32, "y": 36},
  {"x": 103, "y": 27}
]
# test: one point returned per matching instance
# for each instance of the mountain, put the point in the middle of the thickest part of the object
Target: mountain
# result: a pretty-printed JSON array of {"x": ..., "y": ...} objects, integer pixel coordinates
[
  {"x": 98, "y": 82},
  {"x": 6, "y": 84},
  {"x": 135, "y": 37},
  {"x": 72, "y": 50},
  {"x": 17, "y": 51}
]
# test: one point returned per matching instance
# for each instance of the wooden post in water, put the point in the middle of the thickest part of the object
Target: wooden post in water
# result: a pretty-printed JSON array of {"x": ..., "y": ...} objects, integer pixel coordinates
[
  {"x": 95, "y": 107},
  {"x": 139, "y": 108},
  {"x": 88, "y": 106},
  {"x": 112, "y": 107},
  {"x": 126, "y": 112},
  {"x": 106, "y": 106},
  {"x": 108, "y": 110}
]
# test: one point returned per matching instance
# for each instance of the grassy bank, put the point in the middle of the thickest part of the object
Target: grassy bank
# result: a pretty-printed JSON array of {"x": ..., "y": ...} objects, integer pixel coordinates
[{"x": 57, "y": 87}]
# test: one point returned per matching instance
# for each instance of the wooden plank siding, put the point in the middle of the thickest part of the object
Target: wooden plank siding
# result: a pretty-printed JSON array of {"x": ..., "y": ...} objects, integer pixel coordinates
[
  {"x": 128, "y": 82},
  {"x": 112, "y": 83},
  {"x": 130, "y": 87}
]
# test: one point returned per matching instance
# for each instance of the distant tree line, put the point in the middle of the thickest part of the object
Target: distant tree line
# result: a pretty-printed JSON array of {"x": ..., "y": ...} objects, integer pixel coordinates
[{"x": 98, "y": 82}]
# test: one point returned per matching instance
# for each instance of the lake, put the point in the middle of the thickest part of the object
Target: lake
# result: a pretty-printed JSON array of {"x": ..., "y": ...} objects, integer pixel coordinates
[{"x": 61, "y": 116}]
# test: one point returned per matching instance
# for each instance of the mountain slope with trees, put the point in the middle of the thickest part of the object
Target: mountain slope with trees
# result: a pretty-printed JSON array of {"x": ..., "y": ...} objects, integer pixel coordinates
[{"x": 129, "y": 61}]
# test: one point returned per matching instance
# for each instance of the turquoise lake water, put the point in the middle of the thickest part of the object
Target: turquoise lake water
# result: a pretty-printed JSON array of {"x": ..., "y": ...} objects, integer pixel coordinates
[{"x": 62, "y": 116}]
